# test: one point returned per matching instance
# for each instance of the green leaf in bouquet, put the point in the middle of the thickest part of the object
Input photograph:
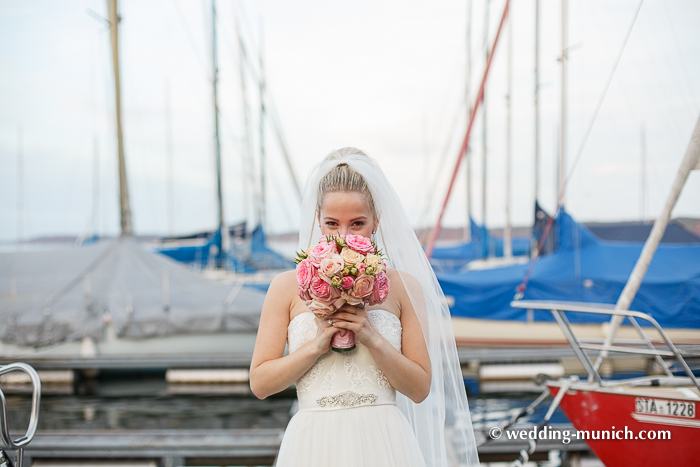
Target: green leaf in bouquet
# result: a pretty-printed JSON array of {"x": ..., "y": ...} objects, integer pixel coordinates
[
  {"x": 301, "y": 256},
  {"x": 377, "y": 251}
]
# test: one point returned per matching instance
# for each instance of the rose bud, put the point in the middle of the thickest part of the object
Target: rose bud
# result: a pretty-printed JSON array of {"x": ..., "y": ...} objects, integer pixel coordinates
[{"x": 347, "y": 283}]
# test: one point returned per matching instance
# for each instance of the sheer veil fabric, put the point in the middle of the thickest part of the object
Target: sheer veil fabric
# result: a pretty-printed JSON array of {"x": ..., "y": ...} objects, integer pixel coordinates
[{"x": 442, "y": 422}]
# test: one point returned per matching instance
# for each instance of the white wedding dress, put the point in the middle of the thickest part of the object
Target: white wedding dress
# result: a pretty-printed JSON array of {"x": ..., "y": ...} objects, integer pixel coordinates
[{"x": 347, "y": 409}]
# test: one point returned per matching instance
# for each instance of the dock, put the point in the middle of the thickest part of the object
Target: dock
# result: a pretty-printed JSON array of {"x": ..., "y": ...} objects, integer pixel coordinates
[
  {"x": 485, "y": 369},
  {"x": 173, "y": 448}
]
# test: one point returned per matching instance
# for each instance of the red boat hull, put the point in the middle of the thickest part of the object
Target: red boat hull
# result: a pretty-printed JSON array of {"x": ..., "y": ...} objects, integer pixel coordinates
[{"x": 598, "y": 410}]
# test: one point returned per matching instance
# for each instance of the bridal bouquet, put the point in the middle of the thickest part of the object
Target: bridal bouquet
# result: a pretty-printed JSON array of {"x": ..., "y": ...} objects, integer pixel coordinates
[{"x": 341, "y": 269}]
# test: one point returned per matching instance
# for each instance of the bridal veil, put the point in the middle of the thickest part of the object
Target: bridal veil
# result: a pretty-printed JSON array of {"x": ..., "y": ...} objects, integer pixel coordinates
[{"x": 442, "y": 422}]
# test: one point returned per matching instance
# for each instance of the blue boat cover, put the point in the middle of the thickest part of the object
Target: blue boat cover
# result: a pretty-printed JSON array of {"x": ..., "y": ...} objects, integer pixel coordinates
[
  {"x": 639, "y": 231},
  {"x": 262, "y": 256},
  {"x": 482, "y": 245},
  {"x": 586, "y": 269},
  {"x": 243, "y": 257}
]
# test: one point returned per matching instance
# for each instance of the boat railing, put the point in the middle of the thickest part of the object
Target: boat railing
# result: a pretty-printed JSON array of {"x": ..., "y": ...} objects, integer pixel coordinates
[
  {"x": 581, "y": 347},
  {"x": 20, "y": 443}
]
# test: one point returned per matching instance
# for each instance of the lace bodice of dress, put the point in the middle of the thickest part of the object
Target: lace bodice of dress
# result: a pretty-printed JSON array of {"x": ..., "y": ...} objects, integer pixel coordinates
[{"x": 348, "y": 379}]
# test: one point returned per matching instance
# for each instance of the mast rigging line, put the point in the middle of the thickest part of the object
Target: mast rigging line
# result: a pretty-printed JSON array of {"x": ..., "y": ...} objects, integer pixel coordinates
[
  {"x": 520, "y": 289},
  {"x": 443, "y": 158},
  {"x": 190, "y": 38},
  {"x": 479, "y": 98},
  {"x": 270, "y": 107}
]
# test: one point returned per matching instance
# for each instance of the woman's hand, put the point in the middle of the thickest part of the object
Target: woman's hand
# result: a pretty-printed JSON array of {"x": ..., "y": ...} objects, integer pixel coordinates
[
  {"x": 355, "y": 319},
  {"x": 324, "y": 334}
]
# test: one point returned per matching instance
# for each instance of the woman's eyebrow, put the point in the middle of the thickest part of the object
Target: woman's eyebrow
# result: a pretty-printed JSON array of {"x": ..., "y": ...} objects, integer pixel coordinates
[{"x": 329, "y": 218}]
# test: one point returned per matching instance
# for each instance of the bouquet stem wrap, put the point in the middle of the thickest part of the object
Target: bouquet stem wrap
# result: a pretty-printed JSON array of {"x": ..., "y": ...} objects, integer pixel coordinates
[{"x": 340, "y": 343}]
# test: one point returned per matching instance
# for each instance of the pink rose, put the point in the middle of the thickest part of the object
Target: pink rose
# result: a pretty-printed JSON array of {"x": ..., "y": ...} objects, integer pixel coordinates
[
  {"x": 304, "y": 294},
  {"x": 345, "y": 297},
  {"x": 359, "y": 243},
  {"x": 330, "y": 267},
  {"x": 363, "y": 286},
  {"x": 320, "y": 251},
  {"x": 320, "y": 308},
  {"x": 320, "y": 289},
  {"x": 347, "y": 283},
  {"x": 305, "y": 271},
  {"x": 381, "y": 289},
  {"x": 361, "y": 268}
]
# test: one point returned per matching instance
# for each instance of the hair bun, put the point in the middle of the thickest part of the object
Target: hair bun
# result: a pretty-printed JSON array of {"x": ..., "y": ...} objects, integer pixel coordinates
[{"x": 350, "y": 151}]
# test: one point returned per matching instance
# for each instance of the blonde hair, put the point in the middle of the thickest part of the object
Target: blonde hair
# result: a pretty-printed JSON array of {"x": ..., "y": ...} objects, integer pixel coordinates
[{"x": 342, "y": 178}]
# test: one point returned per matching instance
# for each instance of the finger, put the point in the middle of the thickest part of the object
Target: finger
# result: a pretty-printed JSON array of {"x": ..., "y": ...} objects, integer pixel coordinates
[
  {"x": 341, "y": 315},
  {"x": 346, "y": 325},
  {"x": 350, "y": 308}
]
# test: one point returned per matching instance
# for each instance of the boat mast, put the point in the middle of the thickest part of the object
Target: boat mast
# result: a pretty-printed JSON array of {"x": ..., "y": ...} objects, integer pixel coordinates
[
  {"x": 246, "y": 152},
  {"x": 169, "y": 160},
  {"x": 484, "y": 135},
  {"x": 533, "y": 241},
  {"x": 435, "y": 232},
  {"x": 223, "y": 231},
  {"x": 126, "y": 228},
  {"x": 562, "y": 137},
  {"x": 95, "y": 185},
  {"x": 643, "y": 186},
  {"x": 691, "y": 161},
  {"x": 262, "y": 129},
  {"x": 507, "y": 234},
  {"x": 20, "y": 188},
  {"x": 467, "y": 98}
]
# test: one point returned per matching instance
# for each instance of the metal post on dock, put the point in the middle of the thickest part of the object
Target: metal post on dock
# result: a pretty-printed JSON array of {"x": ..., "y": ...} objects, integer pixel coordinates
[
  {"x": 166, "y": 291},
  {"x": 87, "y": 293},
  {"x": 13, "y": 297}
]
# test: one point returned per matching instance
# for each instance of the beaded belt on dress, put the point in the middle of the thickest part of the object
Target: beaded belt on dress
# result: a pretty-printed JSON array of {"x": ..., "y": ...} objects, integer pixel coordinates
[{"x": 346, "y": 400}]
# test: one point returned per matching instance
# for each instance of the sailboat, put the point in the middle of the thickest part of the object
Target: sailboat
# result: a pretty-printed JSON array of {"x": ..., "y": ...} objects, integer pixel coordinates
[
  {"x": 481, "y": 249},
  {"x": 645, "y": 421},
  {"x": 115, "y": 302},
  {"x": 233, "y": 250}
]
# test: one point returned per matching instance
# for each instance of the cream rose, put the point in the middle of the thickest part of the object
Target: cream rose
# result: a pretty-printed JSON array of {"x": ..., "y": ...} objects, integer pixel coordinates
[
  {"x": 376, "y": 262},
  {"x": 350, "y": 256},
  {"x": 330, "y": 267}
]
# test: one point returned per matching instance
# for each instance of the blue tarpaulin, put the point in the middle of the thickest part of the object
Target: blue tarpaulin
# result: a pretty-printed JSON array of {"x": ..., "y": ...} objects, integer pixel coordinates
[
  {"x": 482, "y": 245},
  {"x": 586, "y": 269}
]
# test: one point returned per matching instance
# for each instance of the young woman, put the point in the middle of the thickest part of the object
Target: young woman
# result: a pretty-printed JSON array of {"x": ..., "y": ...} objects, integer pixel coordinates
[{"x": 398, "y": 398}]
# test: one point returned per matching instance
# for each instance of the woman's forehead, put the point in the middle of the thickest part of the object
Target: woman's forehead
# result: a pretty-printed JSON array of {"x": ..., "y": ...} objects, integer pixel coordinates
[{"x": 346, "y": 203}]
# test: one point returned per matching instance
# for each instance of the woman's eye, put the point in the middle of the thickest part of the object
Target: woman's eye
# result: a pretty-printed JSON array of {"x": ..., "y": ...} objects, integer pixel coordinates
[{"x": 359, "y": 224}]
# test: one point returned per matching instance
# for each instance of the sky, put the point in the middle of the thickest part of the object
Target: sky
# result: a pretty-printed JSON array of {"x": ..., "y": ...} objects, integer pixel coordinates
[{"x": 389, "y": 77}]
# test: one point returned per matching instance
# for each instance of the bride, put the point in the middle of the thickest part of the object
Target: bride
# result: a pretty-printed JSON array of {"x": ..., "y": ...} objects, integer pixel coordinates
[{"x": 398, "y": 398}]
